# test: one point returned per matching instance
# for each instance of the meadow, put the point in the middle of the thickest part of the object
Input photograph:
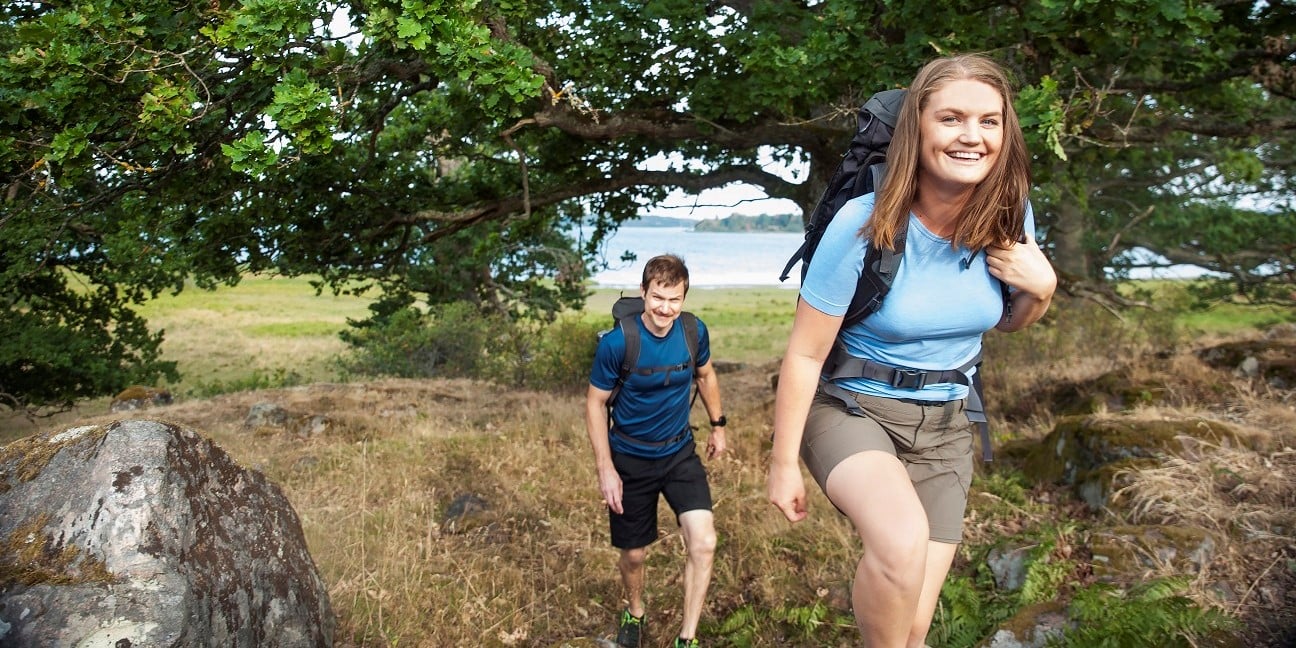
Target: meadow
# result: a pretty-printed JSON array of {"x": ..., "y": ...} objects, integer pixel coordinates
[{"x": 450, "y": 511}]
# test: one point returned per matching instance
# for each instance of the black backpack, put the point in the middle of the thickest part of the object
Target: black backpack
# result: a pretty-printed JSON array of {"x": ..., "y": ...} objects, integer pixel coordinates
[
  {"x": 860, "y": 172},
  {"x": 624, "y": 311}
]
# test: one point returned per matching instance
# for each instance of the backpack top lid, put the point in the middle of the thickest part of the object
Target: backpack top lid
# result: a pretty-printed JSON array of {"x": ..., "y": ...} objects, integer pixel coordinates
[
  {"x": 625, "y": 306},
  {"x": 885, "y": 106},
  {"x": 859, "y": 172}
]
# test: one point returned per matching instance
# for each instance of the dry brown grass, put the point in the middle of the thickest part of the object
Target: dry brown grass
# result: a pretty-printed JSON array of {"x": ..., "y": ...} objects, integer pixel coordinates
[
  {"x": 1249, "y": 500},
  {"x": 531, "y": 568}
]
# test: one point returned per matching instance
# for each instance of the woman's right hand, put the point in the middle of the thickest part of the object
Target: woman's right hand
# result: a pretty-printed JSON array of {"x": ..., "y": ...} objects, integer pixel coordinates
[{"x": 786, "y": 490}]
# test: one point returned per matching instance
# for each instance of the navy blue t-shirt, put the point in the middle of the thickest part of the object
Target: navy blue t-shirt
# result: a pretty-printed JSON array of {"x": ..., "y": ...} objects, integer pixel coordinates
[{"x": 653, "y": 407}]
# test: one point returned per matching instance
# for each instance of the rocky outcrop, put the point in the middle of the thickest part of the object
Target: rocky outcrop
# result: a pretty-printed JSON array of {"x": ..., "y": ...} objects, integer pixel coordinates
[
  {"x": 267, "y": 418},
  {"x": 1157, "y": 488},
  {"x": 1271, "y": 360},
  {"x": 1088, "y": 452},
  {"x": 142, "y": 533}
]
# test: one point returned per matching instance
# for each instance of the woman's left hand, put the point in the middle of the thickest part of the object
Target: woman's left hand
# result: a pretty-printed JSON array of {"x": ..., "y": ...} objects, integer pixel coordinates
[{"x": 1024, "y": 267}]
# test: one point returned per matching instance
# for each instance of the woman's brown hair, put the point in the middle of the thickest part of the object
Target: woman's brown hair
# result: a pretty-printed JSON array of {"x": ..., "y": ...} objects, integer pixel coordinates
[{"x": 995, "y": 212}]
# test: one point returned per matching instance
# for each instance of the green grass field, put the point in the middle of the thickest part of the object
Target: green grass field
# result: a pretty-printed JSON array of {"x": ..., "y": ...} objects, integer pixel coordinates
[
  {"x": 267, "y": 331},
  {"x": 251, "y": 333}
]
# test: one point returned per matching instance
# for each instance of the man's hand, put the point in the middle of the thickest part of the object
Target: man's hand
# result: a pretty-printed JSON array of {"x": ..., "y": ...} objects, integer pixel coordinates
[
  {"x": 716, "y": 442},
  {"x": 787, "y": 490},
  {"x": 610, "y": 487}
]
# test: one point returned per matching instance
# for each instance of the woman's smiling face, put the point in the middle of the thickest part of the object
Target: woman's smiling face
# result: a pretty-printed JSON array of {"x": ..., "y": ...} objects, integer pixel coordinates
[{"x": 960, "y": 134}]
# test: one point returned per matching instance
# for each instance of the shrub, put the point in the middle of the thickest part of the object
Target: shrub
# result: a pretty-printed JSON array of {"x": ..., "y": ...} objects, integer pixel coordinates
[
  {"x": 457, "y": 340},
  {"x": 277, "y": 378},
  {"x": 450, "y": 340},
  {"x": 563, "y": 355},
  {"x": 1081, "y": 329}
]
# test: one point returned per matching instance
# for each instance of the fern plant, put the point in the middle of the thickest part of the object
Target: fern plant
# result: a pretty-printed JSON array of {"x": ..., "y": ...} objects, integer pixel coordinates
[
  {"x": 962, "y": 617},
  {"x": 808, "y": 625},
  {"x": 1155, "y": 613},
  {"x": 1047, "y": 571},
  {"x": 740, "y": 627}
]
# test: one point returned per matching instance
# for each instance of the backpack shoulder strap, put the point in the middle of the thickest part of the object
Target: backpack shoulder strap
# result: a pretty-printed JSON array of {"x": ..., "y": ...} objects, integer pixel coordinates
[
  {"x": 880, "y": 267},
  {"x": 691, "y": 339},
  {"x": 630, "y": 359},
  {"x": 630, "y": 330},
  {"x": 689, "y": 322}
]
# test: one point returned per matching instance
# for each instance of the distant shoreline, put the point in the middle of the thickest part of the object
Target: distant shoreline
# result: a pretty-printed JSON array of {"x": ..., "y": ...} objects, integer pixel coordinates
[
  {"x": 715, "y": 259},
  {"x": 737, "y": 223}
]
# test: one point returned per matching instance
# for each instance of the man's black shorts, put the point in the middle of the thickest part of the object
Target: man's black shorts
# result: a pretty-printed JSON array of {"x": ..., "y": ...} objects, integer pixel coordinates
[{"x": 681, "y": 478}]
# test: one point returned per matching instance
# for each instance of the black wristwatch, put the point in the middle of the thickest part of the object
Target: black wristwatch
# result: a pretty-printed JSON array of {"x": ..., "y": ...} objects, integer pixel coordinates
[{"x": 720, "y": 422}]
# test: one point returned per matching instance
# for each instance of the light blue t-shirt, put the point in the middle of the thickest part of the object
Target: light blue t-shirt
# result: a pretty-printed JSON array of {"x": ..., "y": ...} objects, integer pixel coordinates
[
  {"x": 652, "y": 407},
  {"x": 934, "y": 315}
]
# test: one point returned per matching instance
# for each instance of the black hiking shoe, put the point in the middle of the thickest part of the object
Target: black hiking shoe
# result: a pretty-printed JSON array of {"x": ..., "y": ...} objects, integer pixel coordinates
[
  {"x": 630, "y": 630},
  {"x": 685, "y": 643}
]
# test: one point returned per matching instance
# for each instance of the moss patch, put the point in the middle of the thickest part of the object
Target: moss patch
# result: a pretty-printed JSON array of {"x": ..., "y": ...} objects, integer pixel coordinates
[
  {"x": 1024, "y": 623},
  {"x": 1124, "y": 552},
  {"x": 1078, "y": 445},
  {"x": 29, "y": 556},
  {"x": 26, "y": 458}
]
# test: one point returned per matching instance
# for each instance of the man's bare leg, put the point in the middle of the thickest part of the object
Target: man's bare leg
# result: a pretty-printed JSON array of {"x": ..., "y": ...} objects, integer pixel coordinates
[{"x": 698, "y": 529}]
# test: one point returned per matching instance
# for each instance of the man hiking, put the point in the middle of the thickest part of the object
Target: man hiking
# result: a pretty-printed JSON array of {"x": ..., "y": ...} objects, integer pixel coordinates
[{"x": 638, "y": 425}]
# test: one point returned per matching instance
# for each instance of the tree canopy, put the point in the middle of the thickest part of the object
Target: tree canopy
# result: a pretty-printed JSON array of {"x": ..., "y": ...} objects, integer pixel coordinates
[{"x": 446, "y": 149}]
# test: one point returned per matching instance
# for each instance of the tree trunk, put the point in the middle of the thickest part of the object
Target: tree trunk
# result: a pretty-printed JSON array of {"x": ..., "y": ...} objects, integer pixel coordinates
[
  {"x": 1067, "y": 237},
  {"x": 821, "y": 170}
]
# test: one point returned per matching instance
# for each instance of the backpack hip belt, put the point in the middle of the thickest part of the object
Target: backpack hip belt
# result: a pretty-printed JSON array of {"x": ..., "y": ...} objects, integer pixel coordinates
[
  {"x": 841, "y": 364},
  {"x": 682, "y": 436}
]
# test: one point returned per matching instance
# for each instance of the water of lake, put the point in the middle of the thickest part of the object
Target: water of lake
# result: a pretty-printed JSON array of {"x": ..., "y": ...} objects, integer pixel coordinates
[{"x": 714, "y": 259}]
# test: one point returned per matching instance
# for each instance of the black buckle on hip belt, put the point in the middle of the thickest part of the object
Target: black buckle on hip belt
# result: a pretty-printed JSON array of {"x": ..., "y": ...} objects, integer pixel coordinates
[{"x": 902, "y": 378}]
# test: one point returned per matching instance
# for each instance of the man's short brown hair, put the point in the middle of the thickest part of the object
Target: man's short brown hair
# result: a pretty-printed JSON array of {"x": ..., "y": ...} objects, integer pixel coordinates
[{"x": 667, "y": 270}]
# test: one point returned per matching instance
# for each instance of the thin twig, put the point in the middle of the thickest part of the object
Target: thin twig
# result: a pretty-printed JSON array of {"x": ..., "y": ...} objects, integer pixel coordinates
[{"x": 1254, "y": 583}]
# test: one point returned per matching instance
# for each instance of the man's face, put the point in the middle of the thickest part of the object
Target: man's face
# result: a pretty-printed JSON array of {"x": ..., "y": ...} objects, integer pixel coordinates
[{"x": 662, "y": 304}]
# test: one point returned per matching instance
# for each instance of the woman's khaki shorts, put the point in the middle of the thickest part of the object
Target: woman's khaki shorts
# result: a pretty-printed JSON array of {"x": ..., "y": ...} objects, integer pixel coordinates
[{"x": 933, "y": 441}]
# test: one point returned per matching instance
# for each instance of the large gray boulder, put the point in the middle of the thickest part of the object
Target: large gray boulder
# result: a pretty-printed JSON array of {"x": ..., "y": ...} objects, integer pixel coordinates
[{"x": 143, "y": 533}]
